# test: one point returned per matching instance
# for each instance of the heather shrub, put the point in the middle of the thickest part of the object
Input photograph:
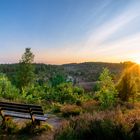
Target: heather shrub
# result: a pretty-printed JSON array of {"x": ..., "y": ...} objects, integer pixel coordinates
[
  {"x": 135, "y": 131},
  {"x": 90, "y": 105},
  {"x": 30, "y": 129},
  {"x": 90, "y": 127},
  {"x": 70, "y": 110}
]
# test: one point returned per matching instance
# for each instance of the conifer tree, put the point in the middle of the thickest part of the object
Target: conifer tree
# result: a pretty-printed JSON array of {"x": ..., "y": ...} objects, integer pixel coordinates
[{"x": 25, "y": 74}]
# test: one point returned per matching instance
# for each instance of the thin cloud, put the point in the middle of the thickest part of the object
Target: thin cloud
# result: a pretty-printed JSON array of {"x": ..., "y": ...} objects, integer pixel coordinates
[{"x": 103, "y": 32}]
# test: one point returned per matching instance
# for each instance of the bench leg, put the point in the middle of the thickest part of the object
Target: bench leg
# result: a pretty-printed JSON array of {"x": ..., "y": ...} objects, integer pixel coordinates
[
  {"x": 5, "y": 119},
  {"x": 37, "y": 122}
]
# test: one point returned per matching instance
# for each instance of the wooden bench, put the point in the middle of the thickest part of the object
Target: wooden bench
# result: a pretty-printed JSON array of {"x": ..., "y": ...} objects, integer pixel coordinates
[{"x": 25, "y": 111}]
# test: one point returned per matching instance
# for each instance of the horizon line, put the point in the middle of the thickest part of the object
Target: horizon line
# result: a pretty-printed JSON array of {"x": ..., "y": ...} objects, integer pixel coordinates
[{"x": 73, "y": 62}]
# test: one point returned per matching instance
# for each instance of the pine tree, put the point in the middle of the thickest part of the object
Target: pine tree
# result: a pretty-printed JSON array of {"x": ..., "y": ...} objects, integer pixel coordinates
[
  {"x": 25, "y": 74},
  {"x": 107, "y": 93}
]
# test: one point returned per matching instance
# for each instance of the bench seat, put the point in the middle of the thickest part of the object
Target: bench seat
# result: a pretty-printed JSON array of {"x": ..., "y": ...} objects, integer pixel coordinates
[{"x": 24, "y": 115}]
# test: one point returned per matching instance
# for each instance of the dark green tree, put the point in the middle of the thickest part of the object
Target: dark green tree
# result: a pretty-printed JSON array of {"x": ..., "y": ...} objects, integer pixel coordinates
[
  {"x": 25, "y": 74},
  {"x": 57, "y": 80},
  {"x": 127, "y": 86}
]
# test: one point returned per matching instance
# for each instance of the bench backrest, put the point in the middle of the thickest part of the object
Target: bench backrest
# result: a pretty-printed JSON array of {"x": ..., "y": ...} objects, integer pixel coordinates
[{"x": 24, "y": 108}]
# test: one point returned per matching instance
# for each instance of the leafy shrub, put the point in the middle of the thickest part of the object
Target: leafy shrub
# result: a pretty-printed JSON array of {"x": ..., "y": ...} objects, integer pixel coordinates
[
  {"x": 7, "y": 90},
  {"x": 57, "y": 80},
  {"x": 96, "y": 87},
  {"x": 35, "y": 93},
  {"x": 70, "y": 110},
  {"x": 56, "y": 107},
  {"x": 78, "y": 90},
  {"x": 66, "y": 93}
]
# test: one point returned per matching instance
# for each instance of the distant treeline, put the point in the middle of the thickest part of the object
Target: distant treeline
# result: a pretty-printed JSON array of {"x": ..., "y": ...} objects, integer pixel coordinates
[
  {"x": 82, "y": 72},
  {"x": 90, "y": 71}
]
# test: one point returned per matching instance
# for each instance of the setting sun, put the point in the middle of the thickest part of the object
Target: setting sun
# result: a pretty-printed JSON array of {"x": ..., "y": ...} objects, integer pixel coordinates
[{"x": 135, "y": 58}]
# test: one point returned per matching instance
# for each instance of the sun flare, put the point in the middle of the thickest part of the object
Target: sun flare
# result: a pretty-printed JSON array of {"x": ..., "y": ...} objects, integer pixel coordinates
[
  {"x": 137, "y": 61},
  {"x": 135, "y": 58}
]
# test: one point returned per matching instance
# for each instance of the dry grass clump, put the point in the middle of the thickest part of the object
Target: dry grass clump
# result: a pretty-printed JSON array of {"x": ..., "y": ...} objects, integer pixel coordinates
[
  {"x": 90, "y": 106},
  {"x": 30, "y": 129},
  {"x": 70, "y": 110},
  {"x": 8, "y": 126}
]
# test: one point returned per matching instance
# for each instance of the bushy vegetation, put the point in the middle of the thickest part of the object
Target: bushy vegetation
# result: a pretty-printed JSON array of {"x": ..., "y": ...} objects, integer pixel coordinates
[
  {"x": 90, "y": 127},
  {"x": 31, "y": 88},
  {"x": 128, "y": 86},
  {"x": 70, "y": 110},
  {"x": 7, "y": 90},
  {"x": 103, "y": 125}
]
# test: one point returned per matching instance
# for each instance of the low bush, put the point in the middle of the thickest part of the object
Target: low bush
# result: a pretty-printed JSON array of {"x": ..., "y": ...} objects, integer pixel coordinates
[
  {"x": 7, "y": 90},
  {"x": 56, "y": 107},
  {"x": 30, "y": 129},
  {"x": 70, "y": 110},
  {"x": 90, "y": 105}
]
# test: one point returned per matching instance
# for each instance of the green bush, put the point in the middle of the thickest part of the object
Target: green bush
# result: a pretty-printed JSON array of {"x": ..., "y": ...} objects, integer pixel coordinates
[
  {"x": 66, "y": 93},
  {"x": 56, "y": 107},
  {"x": 7, "y": 90}
]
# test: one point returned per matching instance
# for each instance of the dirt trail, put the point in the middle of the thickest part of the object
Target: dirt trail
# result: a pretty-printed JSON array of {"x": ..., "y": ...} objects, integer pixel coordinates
[{"x": 54, "y": 121}]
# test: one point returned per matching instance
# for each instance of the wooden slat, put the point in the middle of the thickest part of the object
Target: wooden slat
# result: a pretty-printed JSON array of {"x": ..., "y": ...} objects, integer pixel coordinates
[
  {"x": 37, "y": 113},
  {"x": 15, "y": 109},
  {"x": 37, "y": 117},
  {"x": 34, "y": 109},
  {"x": 40, "y": 118},
  {"x": 20, "y": 107},
  {"x": 39, "y": 108},
  {"x": 13, "y": 106},
  {"x": 18, "y": 115},
  {"x": 10, "y": 103}
]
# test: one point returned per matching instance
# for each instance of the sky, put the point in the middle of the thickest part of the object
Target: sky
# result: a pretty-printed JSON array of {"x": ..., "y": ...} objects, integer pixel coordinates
[{"x": 70, "y": 31}]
